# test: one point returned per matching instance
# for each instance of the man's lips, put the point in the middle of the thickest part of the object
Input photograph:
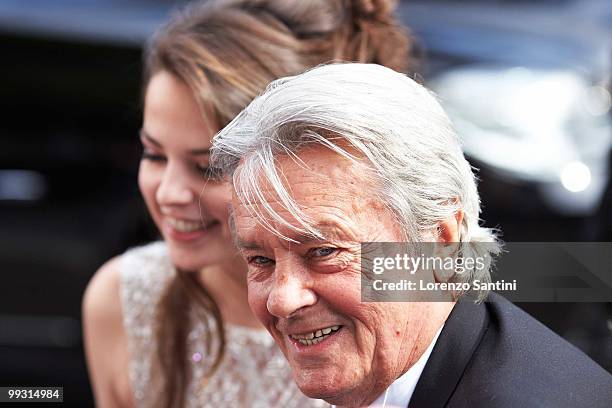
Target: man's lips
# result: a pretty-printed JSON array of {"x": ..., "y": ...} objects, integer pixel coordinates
[{"x": 315, "y": 336}]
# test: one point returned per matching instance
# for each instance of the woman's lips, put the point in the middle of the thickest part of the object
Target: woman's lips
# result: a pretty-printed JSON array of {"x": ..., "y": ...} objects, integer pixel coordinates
[
  {"x": 187, "y": 230},
  {"x": 184, "y": 225}
]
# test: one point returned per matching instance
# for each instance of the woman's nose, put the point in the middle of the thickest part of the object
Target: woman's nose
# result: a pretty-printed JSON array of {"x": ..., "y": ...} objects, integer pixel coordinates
[{"x": 174, "y": 187}]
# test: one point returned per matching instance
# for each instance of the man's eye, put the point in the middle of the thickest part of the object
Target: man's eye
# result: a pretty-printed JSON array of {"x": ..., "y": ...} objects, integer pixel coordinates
[
  {"x": 260, "y": 261},
  {"x": 322, "y": 252}
]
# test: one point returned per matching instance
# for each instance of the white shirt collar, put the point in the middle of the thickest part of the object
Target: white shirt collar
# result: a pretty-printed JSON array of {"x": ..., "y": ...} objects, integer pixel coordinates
[{"x": 401, "y": 390}]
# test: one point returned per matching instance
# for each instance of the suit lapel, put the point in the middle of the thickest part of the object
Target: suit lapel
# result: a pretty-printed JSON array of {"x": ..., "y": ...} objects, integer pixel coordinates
[{"x": 458, "y": 340}]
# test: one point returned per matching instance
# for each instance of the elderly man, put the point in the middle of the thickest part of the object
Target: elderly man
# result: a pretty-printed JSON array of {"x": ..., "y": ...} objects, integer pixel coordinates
[{"x": 353, "y": 153}]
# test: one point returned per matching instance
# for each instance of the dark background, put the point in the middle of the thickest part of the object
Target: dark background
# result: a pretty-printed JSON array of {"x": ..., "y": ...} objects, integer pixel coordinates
[{"x": 70, "y": 109}]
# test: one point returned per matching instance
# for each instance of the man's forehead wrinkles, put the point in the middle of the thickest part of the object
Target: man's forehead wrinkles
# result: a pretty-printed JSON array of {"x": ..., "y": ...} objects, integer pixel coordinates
[
  {"x": 244, "y": 228},
  {"x": 311, "y": 189},
  {"x": 257, "y": 236},
  {"x": 330, "y": 197}
]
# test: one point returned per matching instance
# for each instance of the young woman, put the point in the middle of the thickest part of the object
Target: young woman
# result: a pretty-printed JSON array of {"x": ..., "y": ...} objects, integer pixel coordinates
[{"x": 168, "y": 324}]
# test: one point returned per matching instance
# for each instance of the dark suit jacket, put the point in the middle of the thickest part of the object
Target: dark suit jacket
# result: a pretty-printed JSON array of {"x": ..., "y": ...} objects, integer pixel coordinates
[{"x": 495, "y": 355}]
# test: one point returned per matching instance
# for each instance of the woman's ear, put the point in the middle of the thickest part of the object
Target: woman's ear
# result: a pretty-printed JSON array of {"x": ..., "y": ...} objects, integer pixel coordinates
[{"x": 449, "y": 230}]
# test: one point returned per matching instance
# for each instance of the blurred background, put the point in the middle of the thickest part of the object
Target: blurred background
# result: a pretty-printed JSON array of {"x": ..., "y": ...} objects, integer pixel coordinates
[{"x": 527, "y": 84}]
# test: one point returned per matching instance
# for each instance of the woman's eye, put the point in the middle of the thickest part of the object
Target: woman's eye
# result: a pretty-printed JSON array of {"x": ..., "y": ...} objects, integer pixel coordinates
[
  {"x": 212, "y": 173},
  {"x": 260, "y": 261},
  {"x": 322, "y": 252},
  {"x": 147, "y": 155}
]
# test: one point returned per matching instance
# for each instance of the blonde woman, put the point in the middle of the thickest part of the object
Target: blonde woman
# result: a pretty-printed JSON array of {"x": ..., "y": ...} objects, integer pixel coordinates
[{"x": 168, "y": 324}]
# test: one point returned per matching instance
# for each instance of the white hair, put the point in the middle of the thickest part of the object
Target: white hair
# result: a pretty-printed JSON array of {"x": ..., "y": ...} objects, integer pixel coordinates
[{"x": 360, "y": 111}]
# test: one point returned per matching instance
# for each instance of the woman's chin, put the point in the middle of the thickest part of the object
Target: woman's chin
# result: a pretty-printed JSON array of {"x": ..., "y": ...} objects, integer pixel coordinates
[{"x": 195, "y": 259}]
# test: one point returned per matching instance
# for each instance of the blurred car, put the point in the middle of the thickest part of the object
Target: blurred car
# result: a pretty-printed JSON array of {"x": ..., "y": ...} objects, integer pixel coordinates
[
  {"x": 545, "y": 127},
  {"x": 526, "y": 86}
]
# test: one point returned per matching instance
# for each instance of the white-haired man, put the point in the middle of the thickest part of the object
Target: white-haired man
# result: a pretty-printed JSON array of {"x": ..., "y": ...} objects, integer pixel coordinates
[{"x": 351, "y": 153}]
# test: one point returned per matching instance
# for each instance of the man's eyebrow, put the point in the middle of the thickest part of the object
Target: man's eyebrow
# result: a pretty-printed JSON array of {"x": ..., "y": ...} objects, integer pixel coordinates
[
  {"x": 330, "y": 229},
  {"x": 151, "y": 139},
  {"x": 246, "y": 245}
]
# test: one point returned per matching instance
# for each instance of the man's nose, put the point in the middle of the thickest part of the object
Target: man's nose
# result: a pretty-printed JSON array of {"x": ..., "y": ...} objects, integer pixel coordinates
[
  {"x": 174, "y": 188},
  {"x": 290, "y": 291}
]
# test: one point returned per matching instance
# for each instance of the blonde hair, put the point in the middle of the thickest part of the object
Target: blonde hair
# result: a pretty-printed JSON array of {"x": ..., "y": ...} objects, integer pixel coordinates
[{"x": 229, "y": 51}]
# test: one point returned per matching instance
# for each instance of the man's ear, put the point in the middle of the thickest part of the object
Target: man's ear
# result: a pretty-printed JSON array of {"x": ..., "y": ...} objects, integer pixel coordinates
[
  {"x": 449, "y": 230},
  {"x": 448, "y": 243}
]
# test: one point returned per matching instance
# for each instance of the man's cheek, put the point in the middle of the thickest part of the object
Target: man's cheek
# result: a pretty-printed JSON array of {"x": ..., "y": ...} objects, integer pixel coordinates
[{"x": 257, "y": 298}]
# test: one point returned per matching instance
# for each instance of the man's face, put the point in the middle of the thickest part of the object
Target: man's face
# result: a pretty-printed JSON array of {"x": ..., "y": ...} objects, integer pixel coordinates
[{"x": 308, "y": 294}]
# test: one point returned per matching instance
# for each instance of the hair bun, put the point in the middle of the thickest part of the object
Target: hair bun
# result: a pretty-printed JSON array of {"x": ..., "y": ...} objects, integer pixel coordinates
[
  {"x": 376, "y": 36},
  {"x": 346, "y": 30},
  {"x": 378, "y": 10}
]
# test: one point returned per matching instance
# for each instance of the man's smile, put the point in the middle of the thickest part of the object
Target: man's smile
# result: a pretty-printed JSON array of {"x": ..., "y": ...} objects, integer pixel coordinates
[{"x": 314, "y": 337}]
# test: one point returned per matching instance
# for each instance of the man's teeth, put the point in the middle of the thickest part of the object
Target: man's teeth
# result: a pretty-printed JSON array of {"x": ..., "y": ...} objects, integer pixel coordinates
[
  {"x": 185, "y": 226},
  {"x": 308, "y": 339}
]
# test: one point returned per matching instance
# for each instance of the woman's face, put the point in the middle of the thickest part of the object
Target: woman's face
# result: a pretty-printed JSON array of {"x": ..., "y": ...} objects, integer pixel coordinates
[{"x": 189, "y": 208}]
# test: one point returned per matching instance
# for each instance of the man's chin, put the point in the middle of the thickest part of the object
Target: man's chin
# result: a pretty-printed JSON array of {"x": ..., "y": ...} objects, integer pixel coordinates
[
  {"x": 328, "y": 390},
  {"x": 337, "y": 399}
]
